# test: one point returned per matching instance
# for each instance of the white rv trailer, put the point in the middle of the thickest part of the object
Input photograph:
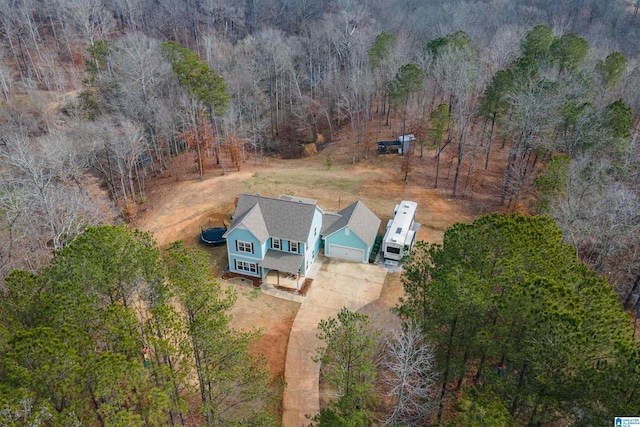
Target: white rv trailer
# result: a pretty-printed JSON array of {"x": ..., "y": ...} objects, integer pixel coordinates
[{"x": 401, "y": 231}]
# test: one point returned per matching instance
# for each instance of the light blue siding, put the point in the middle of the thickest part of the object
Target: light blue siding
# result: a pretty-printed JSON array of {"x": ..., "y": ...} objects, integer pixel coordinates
[
  {"x": 241, "y": 235},
  {"x": 302, "y": 247},
  {"x": 285, "y": 246},
  {"x": 312, "y": 246},
  {"x": 350, "y": 240},
  {"x": 259, "y": 272}
]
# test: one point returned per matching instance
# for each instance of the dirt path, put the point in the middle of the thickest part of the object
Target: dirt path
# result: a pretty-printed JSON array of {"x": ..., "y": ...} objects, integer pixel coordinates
[{"x": 336, "y": 284}]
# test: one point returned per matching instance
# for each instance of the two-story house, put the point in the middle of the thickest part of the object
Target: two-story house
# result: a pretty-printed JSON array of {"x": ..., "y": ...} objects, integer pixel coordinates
[{"x": 285, "y": 234}]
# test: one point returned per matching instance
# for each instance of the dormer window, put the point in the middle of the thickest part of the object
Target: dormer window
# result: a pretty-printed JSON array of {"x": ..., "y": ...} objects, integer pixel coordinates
[
  {"x": 293, "y": 247},
  {"x": 276, "y": 243},
  {"x": 346, "y": 231}
]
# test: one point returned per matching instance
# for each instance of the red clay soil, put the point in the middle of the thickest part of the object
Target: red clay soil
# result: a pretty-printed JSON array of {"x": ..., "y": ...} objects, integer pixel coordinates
[
  {"x": 303, "y": 289},
  {"x": 255, "y": 281}
]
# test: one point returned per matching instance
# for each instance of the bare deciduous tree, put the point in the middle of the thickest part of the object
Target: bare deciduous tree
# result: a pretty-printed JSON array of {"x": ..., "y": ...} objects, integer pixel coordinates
[
  {"x": 91, "y": 20},
  {"x": 597, "y": 213},
  {"x": 409, "y": 376},
  {"x": 25, "y": 412},
  {"x": 44, "y": 201}
]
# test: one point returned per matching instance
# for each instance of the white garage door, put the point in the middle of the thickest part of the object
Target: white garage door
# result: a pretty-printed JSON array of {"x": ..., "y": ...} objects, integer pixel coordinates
[{"x": 344, "y": 252}]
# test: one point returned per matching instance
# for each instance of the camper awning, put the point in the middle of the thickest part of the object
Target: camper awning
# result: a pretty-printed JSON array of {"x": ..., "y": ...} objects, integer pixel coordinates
[{"x": 282, "y": 261}]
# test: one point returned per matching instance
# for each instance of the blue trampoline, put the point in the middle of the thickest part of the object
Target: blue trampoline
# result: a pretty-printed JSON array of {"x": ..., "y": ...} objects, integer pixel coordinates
[{"x": 213, "y": 236}]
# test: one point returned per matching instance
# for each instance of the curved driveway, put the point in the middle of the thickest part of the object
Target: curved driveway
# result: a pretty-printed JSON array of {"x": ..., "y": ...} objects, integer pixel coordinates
[{"x": 336, "y": 284}]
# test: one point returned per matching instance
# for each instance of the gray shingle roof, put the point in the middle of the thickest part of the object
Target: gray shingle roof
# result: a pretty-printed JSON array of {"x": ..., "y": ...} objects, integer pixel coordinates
[
  {"x": 282, "y": 261},
  {"x": 328, "y": 220},
  {"x": 279, "y": 218},
  {"x": 254, "y": 221},
  {"x": 298, "y": 199},
  {"x": 358, "y": 218}
]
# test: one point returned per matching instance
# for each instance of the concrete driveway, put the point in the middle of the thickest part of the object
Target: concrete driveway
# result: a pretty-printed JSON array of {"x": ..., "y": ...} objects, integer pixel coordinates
[{"x": 336, "y": 284}]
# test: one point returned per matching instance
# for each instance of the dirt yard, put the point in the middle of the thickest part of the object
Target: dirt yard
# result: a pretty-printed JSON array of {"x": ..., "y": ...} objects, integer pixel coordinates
[{"x": 178, "y": 209}]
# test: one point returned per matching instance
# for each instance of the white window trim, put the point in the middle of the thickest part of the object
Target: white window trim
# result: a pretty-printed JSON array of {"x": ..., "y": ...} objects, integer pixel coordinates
[
  {"x": 250, "y": 267},
  {"x": 243, "y": 246},
  {"x": 297, "y": 246},
  {"x": 346, "y": 231},
  {"x": 276, "y": 243}
]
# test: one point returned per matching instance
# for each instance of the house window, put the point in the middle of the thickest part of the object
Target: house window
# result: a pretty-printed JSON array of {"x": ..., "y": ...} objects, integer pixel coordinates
[
  {"x": 346, "y": 231},
  {"x": 276, "y": 244},
  {"x": 244, "y": 246},
  {"x": 250, "y": 267},
  {"x": 392, "y": 250},
  {"x": 293, "y": 247},
  {"x": 315, "y": 232}
]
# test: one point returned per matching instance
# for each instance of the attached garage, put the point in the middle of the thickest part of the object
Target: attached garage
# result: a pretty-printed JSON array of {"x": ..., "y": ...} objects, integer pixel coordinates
[
  {"x": 344, "y": 252},
  {"x": 350, "y": 233}
]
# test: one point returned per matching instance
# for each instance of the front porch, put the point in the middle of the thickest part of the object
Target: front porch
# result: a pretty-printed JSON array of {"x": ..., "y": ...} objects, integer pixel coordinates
[
  {"x": 295, "y": 284},
  {"x": 282, "y": 269},
  {"x": 283, "y": 279}
]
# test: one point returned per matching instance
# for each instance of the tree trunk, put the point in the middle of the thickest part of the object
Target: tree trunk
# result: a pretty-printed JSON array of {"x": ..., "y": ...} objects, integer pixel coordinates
[
  {"x": 437, "y": 163},
  {"x": 140, "y": 181},
  {"x": 493, "y": 122},
  {"x": 404, "y": 122},
  {"x": 24, "y": 59},
  {"x": 271, "y": 115},
  {"x": 516, "y": 399},
  {"x": 445, "y": 374},
  {"x": 472, "y": 160},
  {"x": 131, "y": 186},
  {"x": 483, "y": 360},
  {"x": 507, "y": 182},
  {"x": 465, "y": 358},
  {"x": 5, "y": 88},
  {"x": 96, "y": 405},
  {"x": 388, "y": 114},
  {"x": 461, "y": 141},
  {"x": 199, "y": 368},
  {"x": 511, "y": 165},
  {"x": 199, "y": 151},
  {"x": 521, "y": 175}
]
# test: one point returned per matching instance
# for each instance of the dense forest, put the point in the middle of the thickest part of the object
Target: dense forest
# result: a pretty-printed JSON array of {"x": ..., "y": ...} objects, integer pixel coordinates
[
  {"x": 115, "y": 332},
  {"x": 99, "y": 97},
  {"x": 501, "y": 326}
]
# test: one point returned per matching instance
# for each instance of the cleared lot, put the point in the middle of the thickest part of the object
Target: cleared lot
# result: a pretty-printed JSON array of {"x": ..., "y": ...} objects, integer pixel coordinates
[{"x": 176, "y": 210}]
